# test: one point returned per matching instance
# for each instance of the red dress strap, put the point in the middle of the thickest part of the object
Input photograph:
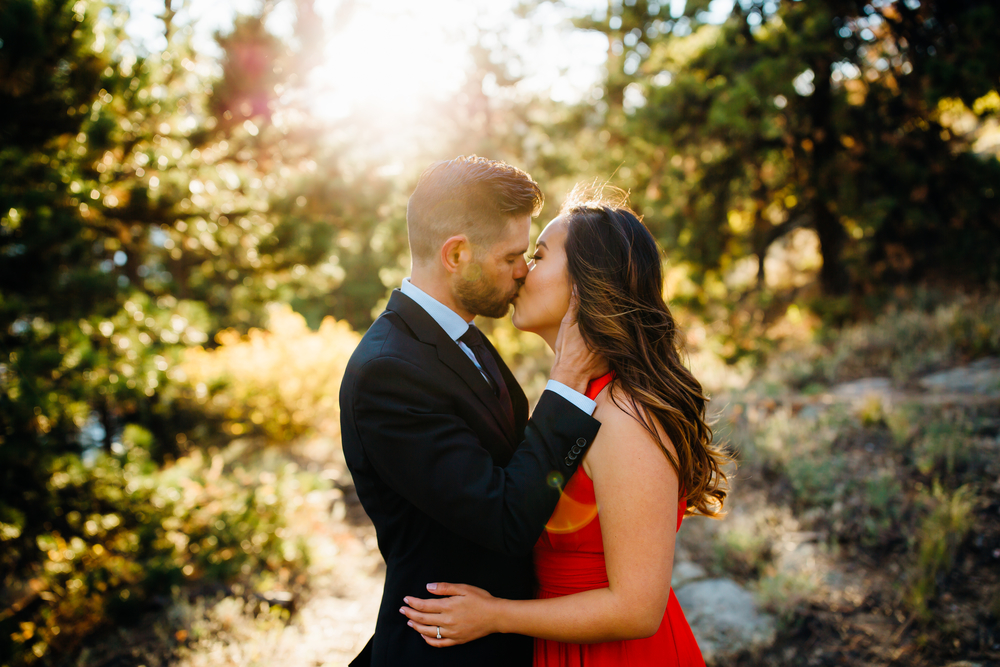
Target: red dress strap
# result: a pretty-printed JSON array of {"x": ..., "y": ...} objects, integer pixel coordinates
[{"x": 597, "y": 384}]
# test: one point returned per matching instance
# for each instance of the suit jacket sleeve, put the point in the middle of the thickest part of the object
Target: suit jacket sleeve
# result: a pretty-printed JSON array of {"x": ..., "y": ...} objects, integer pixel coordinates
[{"x": 431, "y": 457}]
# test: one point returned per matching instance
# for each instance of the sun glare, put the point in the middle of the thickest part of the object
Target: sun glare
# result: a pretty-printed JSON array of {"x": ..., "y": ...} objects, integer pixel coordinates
[
  {"x": 391, "y": 59},
  {"x": 386, "y": 67}
]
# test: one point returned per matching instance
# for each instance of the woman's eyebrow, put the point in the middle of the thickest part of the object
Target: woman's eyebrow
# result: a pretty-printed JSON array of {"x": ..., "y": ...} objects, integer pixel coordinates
[{"x": 541, "y": 244}]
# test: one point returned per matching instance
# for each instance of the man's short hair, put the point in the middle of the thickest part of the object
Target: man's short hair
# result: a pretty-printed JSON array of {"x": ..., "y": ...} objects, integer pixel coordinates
[{"x": 468, "y": 195}]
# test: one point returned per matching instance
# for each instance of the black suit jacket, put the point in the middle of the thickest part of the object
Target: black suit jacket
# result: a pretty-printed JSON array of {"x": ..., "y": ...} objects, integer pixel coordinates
[{"x": 456, "y": 492}]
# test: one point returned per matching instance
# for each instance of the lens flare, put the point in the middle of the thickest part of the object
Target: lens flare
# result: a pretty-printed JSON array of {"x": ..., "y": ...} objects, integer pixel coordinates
[{"x": 570, "y": 514}]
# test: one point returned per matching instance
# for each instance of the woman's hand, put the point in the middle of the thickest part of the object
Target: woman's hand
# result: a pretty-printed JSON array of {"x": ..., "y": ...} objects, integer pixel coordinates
[
  {"x": 468, "y": 613},
  {"x": 575, "y": 364}
]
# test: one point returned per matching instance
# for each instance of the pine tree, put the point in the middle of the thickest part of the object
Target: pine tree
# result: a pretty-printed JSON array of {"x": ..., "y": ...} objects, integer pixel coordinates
[
  {"x": 827, "y": 116},
  {"x": 146, "y": 204}
]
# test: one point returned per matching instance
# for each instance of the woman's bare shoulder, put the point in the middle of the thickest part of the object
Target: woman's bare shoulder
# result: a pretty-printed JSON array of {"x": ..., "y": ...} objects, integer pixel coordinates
[
  {"x": 616, "y": 410},
  {"x": 622, "y": 429}
]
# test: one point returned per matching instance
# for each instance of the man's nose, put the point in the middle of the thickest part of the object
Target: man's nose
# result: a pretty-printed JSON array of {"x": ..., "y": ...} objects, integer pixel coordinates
[{"x": 520, "y": 269}]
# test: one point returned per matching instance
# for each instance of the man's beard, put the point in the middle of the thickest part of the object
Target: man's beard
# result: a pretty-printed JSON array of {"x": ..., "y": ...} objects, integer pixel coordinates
[{"x": 481, "y": 297}]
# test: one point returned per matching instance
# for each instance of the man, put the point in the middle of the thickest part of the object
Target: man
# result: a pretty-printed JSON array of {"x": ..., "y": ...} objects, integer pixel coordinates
[{"x": 435, "y": 428}]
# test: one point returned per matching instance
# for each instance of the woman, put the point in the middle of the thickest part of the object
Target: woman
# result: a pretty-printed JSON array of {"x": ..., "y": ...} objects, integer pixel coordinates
[{"x": 604, "y": 595}]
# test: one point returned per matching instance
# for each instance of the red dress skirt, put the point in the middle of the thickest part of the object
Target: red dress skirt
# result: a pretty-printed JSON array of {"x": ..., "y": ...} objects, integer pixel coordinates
[{"x": 569, "y": 558}]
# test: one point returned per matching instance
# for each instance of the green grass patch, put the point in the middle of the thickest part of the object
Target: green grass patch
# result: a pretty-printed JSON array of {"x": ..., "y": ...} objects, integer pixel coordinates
[{"x": 941, "y": 533}]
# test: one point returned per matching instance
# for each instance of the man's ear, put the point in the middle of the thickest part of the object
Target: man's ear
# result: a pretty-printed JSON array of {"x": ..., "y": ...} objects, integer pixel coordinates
[{"x": 456, "y": 252}]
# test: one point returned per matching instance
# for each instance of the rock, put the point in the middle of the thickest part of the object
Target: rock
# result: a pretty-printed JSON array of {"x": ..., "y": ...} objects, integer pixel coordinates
[
  {"x": 685, "y": 572},
  {"x": 861, "y": 389},
  {"x": 797, "y": 556},
  {"x": 724, "y": 618},
  {"x": 980, "y": 377},
  {"x": 809, "y": 412}
]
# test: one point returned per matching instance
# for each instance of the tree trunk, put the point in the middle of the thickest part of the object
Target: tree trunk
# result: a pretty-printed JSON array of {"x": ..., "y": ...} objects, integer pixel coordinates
[
  {"x": 823, "y": 181},
  {"x": 833, "y": 276}
]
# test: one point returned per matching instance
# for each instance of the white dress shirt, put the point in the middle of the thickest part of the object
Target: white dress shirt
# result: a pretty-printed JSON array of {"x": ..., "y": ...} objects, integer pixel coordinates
[{"x": 455, "y": 327}]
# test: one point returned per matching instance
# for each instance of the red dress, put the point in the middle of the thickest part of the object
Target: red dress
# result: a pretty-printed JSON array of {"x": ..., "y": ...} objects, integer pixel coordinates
[{"x": 569, "y": 558}]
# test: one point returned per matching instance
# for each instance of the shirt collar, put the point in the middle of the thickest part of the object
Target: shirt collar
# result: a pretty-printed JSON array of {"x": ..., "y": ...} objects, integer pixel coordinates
[{"x": 447, "y": 319}]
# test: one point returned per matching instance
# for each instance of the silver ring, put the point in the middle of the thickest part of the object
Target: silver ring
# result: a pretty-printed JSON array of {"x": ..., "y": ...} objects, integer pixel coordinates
[{"x": 439, "y": 632}]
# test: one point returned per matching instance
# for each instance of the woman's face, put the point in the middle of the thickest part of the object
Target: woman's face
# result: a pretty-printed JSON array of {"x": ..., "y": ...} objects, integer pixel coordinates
[{"x": 544, "y": 298}]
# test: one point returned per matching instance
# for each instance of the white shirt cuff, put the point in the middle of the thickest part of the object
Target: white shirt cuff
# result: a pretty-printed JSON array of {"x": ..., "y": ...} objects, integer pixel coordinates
[{"x": 573, "y": 396}]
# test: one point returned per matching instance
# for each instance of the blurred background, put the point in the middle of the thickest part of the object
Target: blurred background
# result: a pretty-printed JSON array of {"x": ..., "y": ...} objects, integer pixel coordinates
[{"x": 202, "y": 208}]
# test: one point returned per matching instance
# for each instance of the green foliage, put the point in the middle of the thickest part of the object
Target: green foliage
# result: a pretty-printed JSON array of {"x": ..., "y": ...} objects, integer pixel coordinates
[
  {"x": 830, "y": 117},
  {"x": 126, "y": 531},
  {"x": 943, "y": 447},
  {"x": 872, "y": 412},
  {"x": 903, "y": 423},
  {"x": 918, "y": 335},
  {"x": 136, "y": 221},
  {"x": 783, "y": 593},
  {"x": 777, "y": 439},
  {"x": 941, "y": 533},
  {"x": 742, "y": 552},
  {"x": 896, "y": 483},
  {"x": 901, "y": 491},
  {"x": 818, "y": 481},
  {"x": 881, "y": 504},
  {"x": 849, "y": 471}
]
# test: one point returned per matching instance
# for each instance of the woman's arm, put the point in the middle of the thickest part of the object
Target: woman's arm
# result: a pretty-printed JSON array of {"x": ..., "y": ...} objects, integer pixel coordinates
[{"x": 636, "y": 490}]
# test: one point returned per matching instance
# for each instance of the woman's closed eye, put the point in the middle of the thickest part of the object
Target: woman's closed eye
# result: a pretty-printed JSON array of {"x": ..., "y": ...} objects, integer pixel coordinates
[{"x": 534, "y": 258}]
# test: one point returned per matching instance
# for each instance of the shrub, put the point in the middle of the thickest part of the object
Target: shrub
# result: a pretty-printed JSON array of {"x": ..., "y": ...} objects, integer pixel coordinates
[
  {"x": 742, "y": 551},
  {"x": 927, "y": 332},
  {"x": 872, "y": 412},
  {"x": 282, "y": 382},
  {"x": 940, "y": 535},
  {"x": 783, "y": 593},
  {"x": 881, "y": 500},
  {"x": 942, "y": 447},
  {"x": 130, "y": 532},
  {"x": 904, "y": 421},
  {"x": 817, "y": 481}
]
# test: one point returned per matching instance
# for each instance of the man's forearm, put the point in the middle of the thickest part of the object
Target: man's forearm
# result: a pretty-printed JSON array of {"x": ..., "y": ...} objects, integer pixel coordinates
[{"x": 575, "y": 397}]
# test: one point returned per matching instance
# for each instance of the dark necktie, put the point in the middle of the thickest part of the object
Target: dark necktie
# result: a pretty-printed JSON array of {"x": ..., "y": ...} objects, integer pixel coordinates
[{"x": 474, "y": 340}]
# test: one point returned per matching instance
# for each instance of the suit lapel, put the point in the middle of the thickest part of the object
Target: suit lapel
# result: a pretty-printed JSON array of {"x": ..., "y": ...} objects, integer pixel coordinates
[{"x": 451, "y": 355}]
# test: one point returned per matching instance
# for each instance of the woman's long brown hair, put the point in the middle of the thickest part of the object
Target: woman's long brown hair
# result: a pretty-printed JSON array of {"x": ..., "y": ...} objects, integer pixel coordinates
[{"x": 616, "y": 267}]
